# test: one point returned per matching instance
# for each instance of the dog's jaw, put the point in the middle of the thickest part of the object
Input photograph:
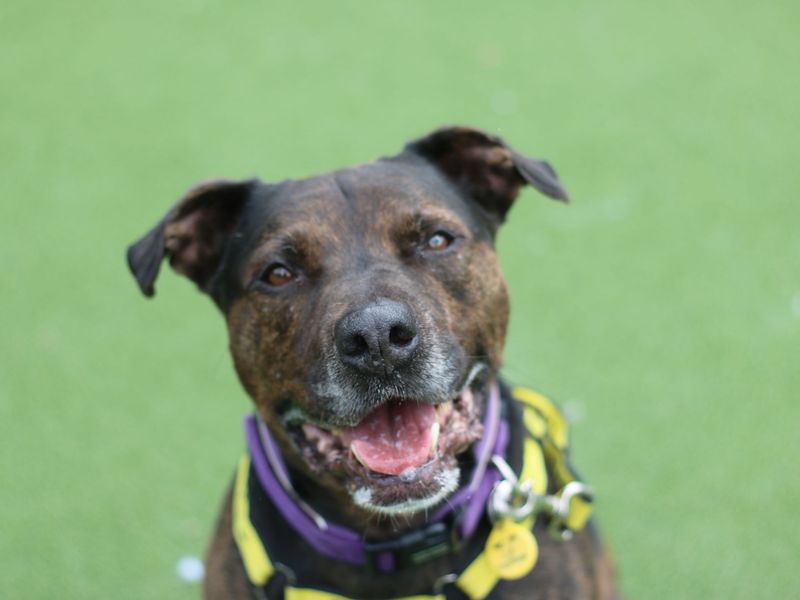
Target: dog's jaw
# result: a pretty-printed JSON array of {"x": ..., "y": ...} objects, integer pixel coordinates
[
  {"x": 414, "y": 488},
  {"x": 448, "y": 483}
]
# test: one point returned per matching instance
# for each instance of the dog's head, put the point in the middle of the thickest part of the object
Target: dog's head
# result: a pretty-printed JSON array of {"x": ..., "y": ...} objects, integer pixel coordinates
[{"x": 365, "y": 307}]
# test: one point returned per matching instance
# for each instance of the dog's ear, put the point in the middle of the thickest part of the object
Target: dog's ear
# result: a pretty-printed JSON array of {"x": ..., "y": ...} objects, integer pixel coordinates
[
  {"x": 485, "y": 168},
  {"x": 192, "y": 234}
]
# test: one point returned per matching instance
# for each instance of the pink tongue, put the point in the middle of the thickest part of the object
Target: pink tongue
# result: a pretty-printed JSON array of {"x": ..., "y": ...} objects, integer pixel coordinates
[{"x": 394, "y": 437}]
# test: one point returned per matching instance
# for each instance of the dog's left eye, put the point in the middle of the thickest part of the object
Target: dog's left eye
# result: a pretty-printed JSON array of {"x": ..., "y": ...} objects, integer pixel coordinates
[{"x": 438, "y": 241}]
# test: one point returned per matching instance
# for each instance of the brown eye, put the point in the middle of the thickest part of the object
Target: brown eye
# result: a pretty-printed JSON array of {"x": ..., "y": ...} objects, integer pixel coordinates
[
  {"x": 277, "y": 275},
  {"x": 439, "y": 241}
]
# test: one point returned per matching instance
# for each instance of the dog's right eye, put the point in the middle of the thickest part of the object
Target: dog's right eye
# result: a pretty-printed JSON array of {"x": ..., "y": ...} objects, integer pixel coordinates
[{"x": 277, "y": 275}]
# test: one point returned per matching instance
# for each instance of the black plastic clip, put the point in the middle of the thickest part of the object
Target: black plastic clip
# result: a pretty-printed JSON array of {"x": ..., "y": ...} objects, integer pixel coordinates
[{"x": 412, "y": 549}]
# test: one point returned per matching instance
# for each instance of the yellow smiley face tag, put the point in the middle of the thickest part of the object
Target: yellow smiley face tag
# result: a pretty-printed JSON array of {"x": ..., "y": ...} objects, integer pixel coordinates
[{"x": 511, "y": 550}]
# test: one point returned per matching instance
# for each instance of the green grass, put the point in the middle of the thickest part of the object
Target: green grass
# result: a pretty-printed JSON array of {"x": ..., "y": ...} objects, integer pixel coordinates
[{"x": 663, "y": 305}]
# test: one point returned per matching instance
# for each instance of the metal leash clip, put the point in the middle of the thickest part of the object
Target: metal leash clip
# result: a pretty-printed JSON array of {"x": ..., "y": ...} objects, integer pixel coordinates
[
  {"x": 559, "y": 507},
  {"x": 515, "y": 500}
]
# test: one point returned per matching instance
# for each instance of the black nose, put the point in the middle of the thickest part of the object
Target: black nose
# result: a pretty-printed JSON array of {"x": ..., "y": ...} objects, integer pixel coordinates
[{"x": 378, "y": 338}]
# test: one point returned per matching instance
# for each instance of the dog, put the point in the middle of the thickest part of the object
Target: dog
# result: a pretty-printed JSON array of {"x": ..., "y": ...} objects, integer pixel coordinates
[{"x": 367, "y": 314}]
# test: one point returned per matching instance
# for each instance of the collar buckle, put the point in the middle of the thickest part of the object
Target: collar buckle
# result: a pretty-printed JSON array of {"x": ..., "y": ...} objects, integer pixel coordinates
[{"x": 412, "y": 549}]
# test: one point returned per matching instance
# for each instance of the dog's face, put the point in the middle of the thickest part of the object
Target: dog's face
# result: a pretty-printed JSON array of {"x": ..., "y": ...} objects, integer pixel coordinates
[
  {"x": 365, "y": 308},
  {"x": 364, "y": 301}
]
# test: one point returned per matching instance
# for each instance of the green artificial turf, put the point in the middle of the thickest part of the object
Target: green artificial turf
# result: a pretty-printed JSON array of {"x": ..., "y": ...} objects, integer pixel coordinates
[{"x": 662, "y": 307}]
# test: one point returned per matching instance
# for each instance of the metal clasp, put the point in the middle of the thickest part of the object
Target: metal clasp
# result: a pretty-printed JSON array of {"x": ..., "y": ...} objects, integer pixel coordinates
[
  {"x": 510, "y": 499},
  {"x": 558, "y": 507},
  {"x": 515, "y": 500}
]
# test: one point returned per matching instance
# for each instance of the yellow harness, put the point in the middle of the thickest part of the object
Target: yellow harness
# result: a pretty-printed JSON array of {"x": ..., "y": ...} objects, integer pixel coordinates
[{"x": 504, "y": 556}]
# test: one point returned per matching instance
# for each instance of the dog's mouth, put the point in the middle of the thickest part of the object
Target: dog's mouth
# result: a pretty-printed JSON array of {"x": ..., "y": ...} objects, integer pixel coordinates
[{"x": 401, "y": 457}]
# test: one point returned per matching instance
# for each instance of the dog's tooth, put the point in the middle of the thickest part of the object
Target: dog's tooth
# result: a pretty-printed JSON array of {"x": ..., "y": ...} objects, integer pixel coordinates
[
  {"x": 443, "y": 410},
  {"x": 434, "y": 437},
  {"x": 355, "y": 453}
]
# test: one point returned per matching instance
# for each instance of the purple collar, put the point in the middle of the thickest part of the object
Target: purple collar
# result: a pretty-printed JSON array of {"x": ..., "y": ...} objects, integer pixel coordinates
[{"x": 345, "y": 544}]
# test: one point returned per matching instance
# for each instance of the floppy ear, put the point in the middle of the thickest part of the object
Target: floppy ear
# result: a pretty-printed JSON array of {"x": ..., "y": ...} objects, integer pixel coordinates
[
  {"x": 484, "y": 168},
  {"x": 192, "y": 234}
]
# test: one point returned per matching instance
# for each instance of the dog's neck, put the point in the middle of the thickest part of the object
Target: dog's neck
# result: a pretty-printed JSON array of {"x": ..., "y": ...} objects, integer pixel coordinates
[{"x": 373, "y": 578}]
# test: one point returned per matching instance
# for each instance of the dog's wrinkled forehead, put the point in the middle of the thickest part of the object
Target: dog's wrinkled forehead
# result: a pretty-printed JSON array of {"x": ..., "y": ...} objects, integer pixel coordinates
[
  {"x": 209, "y": 233},
  {"x": 349, "y": 218}
]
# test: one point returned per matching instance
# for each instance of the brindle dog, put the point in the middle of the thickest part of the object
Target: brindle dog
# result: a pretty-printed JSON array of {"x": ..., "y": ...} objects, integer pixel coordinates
[{"x": 369, "y": 289}]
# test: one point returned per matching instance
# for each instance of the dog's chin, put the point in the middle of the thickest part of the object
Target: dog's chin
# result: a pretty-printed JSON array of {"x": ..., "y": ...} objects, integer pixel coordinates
[
  {"x": 405, "y": 482},
  {"x": 412, "y": 492}
]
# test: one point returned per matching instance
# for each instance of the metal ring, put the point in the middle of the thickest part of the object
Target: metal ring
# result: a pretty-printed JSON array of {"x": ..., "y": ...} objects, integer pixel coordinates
[{"x": 502, "y": 505}]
